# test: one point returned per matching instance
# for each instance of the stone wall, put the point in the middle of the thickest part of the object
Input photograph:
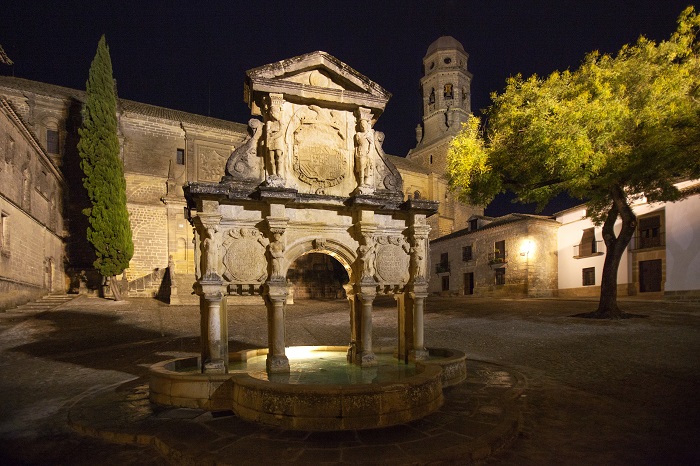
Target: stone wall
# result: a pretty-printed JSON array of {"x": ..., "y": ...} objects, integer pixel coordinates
[
  {"x": 529, "y": 265},
  {"x": 31, "y": 223}
]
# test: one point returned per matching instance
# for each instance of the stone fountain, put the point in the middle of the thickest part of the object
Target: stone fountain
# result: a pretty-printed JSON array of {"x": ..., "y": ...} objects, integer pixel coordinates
[{"x": 310, "y": 177}]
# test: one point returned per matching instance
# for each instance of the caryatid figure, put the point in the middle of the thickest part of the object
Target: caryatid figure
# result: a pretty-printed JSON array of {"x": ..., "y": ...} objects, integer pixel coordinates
[
  {"x": 277, "y": 254},
  {"x": 276, "y": 145},
  {"x": 364, "y": 149}
]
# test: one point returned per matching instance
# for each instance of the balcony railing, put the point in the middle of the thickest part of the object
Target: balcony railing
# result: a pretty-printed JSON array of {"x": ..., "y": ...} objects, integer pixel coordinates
[
  {"x": 498, "y": 258},
  {"x": 645, "y": 241},
  {"x": 442, "y": 267},
  {"x": 589, "y": 249}
]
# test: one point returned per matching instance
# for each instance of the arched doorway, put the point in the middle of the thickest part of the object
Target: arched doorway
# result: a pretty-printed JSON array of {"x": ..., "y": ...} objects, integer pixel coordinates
[{"x": 317, "y": 276}]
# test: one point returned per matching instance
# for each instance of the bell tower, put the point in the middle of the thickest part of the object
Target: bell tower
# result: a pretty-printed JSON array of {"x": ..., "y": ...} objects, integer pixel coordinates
[
  {"x": 446, "y": 94},
  {"x": 445, "y": 89}
]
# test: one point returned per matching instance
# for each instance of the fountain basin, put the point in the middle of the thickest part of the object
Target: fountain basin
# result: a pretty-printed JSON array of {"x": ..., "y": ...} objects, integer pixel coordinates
[{"x": 372, "y": 399}]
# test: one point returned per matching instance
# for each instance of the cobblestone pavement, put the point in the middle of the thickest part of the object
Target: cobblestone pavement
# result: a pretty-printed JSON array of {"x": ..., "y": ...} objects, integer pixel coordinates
[{"x": 590, "y": 392}]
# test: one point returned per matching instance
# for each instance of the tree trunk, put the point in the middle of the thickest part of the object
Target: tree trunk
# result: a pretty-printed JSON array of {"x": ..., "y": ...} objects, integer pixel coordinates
[
  {"x": 616, "y": 245},
  {"x": 114, "y": 287}
]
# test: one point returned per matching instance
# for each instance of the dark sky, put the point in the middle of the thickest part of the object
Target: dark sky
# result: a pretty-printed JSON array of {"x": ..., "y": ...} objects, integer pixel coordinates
[{"x": 192, "y": 55}]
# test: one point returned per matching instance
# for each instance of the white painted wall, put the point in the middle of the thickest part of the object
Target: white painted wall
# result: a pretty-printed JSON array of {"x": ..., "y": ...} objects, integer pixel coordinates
[
  {"x": 569, "y": 234},
  {"x": 683, "y": 244}
]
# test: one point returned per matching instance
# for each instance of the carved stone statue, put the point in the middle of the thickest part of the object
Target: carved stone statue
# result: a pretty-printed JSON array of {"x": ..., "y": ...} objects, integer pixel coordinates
[
  {"x": 276, "y": 145},
  {"x": 367, "y": 253},
  {"x": 364, "y": 152},
  {"x": 418, "y": 262},
  {"x": 243, "y": 163},
  {"x": 210, "y": 252},
  {"x": 276, "y": 248}
]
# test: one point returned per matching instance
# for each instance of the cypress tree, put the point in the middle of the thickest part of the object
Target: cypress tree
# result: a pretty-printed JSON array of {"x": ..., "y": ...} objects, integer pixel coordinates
[{"x": 109, "y": 231}]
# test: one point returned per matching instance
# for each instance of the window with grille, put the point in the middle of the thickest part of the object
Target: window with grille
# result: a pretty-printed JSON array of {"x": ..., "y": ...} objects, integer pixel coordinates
[
  {"x": 500, "y": 277},
  {"x": 467, "y": 253},
  {"x": 52, "y": 141},
  {"x": 588, "y": 276}
]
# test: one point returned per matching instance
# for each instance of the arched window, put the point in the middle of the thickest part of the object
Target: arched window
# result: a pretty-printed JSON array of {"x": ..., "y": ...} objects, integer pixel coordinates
[
  {"x": 52, "y": 139},
  {"x": 416, "y": 194},
  {"x": 448, "y": 91},
  {"x": 431, "y": 99}
]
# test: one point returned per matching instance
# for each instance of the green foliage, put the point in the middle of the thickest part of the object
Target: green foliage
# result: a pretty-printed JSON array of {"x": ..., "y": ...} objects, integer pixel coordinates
[
  {"x": 109, "y": 231},
  {"x": 631, "y": 120}
]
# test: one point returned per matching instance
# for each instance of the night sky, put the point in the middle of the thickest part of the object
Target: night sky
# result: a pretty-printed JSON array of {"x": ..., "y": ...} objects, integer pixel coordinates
[{"x": 192, "y": 56}]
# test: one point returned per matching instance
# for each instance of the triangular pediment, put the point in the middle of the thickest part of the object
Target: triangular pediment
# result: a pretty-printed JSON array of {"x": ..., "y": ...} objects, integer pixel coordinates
[{"x": 317, "y": 77}]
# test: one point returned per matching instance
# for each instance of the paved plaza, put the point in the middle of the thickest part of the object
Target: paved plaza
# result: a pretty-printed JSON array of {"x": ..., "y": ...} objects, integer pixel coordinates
[{"x": 543, "y": 387}]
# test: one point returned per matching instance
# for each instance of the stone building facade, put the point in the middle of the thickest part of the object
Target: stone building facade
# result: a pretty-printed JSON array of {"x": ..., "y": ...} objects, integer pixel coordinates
[
  {"x": 31, "y": 221},
  {"x": 510, "y": 256}
]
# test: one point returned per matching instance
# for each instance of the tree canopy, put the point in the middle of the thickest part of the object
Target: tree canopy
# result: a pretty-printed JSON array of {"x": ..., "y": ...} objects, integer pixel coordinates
[
  {"x": 616, "y": 128},
  {"x": 109, "y": 231}
]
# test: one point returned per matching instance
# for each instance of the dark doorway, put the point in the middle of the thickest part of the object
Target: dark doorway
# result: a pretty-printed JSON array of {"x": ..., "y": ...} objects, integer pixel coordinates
[
  {"x": 469, "y": 283},
  {"x": 445, "y": 283},
  {"x": 317, "y": 276},
  {"x": 649, "y": 276}
]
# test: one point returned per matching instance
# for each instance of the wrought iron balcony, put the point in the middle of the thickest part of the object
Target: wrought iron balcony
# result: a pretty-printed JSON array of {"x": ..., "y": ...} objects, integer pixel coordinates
[
  {"x": 648, "y": 241},
  {"x": 442, "y": 267},
  {"x": 498, "y": 258},
  {"x": 588, "y": 249}
]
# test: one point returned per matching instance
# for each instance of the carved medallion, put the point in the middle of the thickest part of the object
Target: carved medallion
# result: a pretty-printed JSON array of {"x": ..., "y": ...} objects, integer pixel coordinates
[
  {"x": 244, "y": 257},
  {"x": 392, "y": 260},
  {"x": 320, "y": 149}
]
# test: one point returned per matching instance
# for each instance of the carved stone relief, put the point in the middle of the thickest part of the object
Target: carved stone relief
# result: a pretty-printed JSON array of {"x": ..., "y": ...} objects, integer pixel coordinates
[
  {"x": 244, "y": 256},
  {"x": 212, "y": 162},
  {"x": 243, "y": 163},
  {"x": 320, "y": 146},
  {"x": 392, "y": 259}
]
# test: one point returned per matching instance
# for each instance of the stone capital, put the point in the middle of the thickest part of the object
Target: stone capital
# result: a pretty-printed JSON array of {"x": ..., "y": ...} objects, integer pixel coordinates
[
  {"x": 276, "y": 289},
  {"x": 277, "y": 224},
  {"x": 211, "y": 287}
]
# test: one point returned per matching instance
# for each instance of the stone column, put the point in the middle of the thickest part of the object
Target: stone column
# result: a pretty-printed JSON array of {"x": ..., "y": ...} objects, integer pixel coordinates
[
  {"x": 418, "y": 286},
  {"x": 418, "y": 296},
  {"x": 214, "y": 330},
  {"x": 354, "y": 328},
  {"x": 365, "y": 354},
  {"x": 210, "y": 288},
  {"x": 404, "y": 309},
  {"x": 276, "y": 287},
  {"x": 276, "y": 297}
]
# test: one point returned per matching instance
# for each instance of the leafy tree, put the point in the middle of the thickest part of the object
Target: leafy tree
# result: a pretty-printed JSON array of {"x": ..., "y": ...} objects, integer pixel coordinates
[
  {"x": 616, "y": 129},
  {"x": 109, "y": 231}
]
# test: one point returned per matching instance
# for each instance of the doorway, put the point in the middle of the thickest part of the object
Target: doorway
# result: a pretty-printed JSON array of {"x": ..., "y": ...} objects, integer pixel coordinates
[
  {"x": 650, "y": 276},
  {"x": 469, "y": 283}
]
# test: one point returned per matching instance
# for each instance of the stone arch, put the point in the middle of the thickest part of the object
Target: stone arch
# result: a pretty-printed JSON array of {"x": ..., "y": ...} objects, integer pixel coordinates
[{"x": 332, "y": 247}]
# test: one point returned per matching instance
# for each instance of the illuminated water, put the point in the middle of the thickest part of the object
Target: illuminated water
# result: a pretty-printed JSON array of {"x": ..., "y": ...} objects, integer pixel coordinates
[{"x": 327, "y": 368}]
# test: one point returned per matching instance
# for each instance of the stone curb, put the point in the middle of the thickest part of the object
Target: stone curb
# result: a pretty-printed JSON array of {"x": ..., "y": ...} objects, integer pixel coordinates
[{"x": 106, "y": 416}]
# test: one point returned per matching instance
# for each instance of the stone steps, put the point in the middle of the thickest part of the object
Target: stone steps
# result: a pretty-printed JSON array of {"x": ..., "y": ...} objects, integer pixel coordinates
[{"x": 46, "y": 303}]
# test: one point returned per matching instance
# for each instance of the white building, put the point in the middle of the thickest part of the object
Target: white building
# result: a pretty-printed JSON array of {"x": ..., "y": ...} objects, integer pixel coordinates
[{"x": 661, "y": 261}]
